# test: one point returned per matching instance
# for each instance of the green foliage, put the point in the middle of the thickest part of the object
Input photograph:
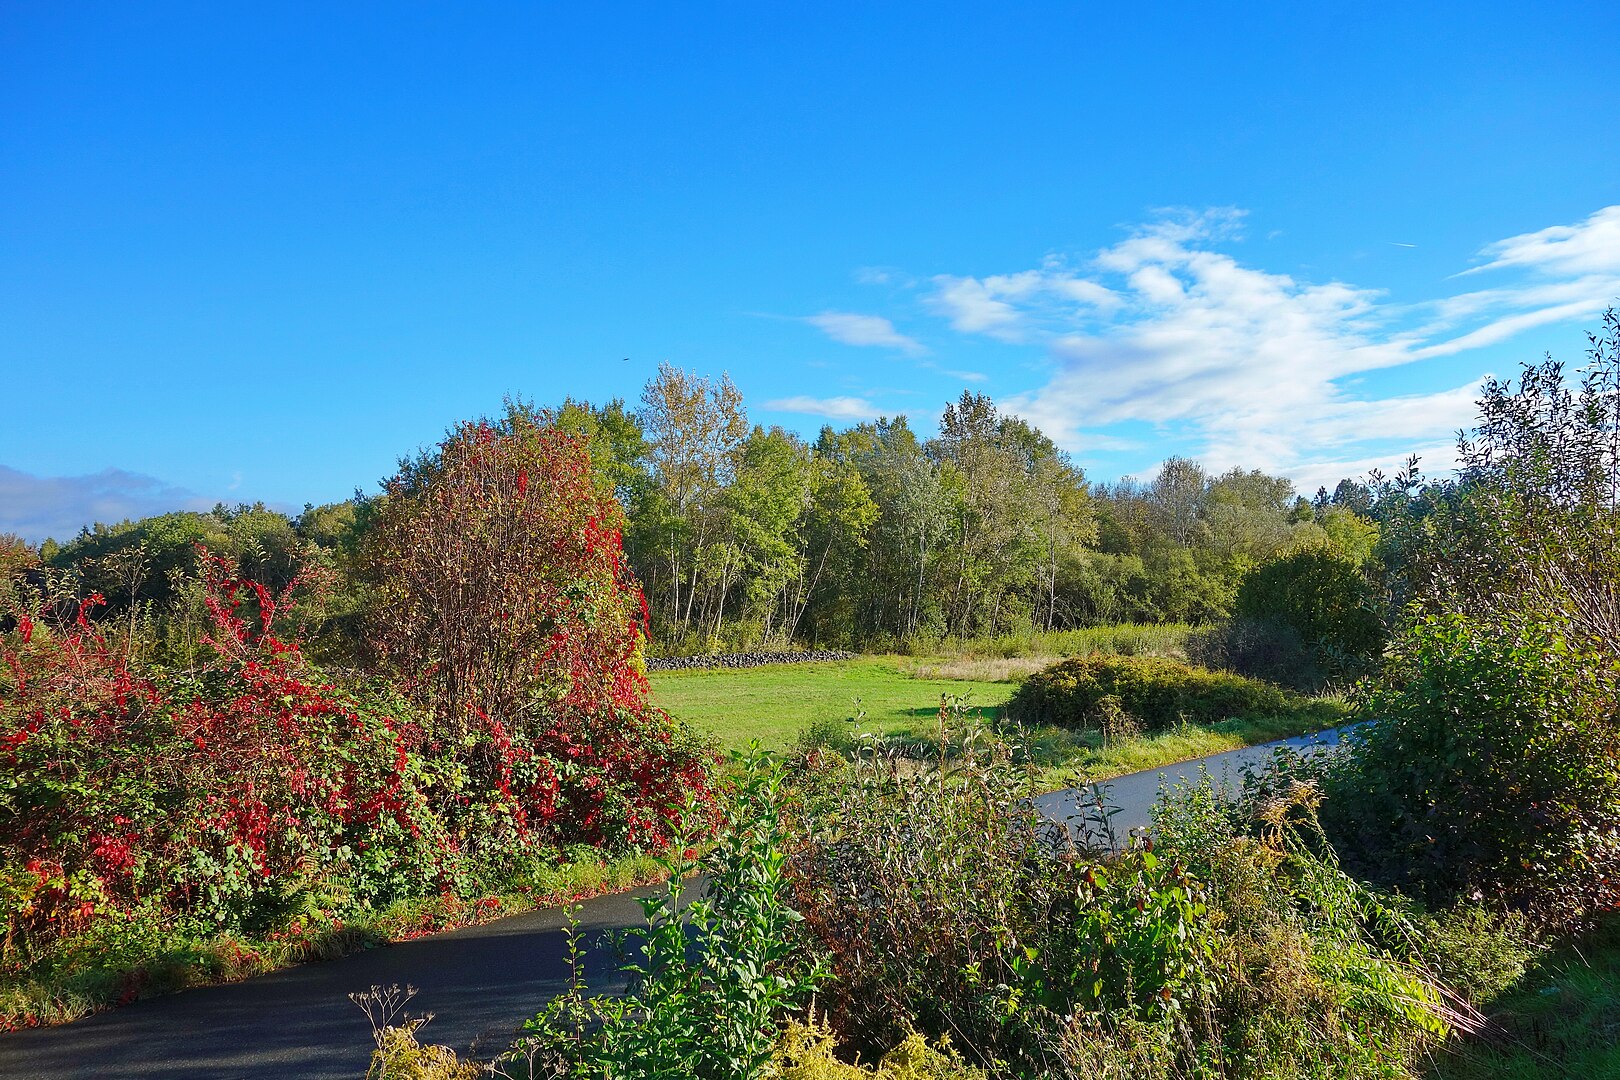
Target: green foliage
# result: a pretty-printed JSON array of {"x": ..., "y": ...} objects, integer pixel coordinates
[
  {"x": 1156, "y": 691},
  {"x": 714, "y": 976},
  {"x": 1318, "y": 975},
  {"x": 1489, "y": 768},
  {"x": 1477, "y": 951},
  {"x": 942, "y": 905},
  {"x": 1531, "y": 527},
  {"x": 1322, "y": 597},
  {"x": 1260, "y": 649},
  {"x": 1557, "y": 1022},
  {"x": 1233, "y": 947}
]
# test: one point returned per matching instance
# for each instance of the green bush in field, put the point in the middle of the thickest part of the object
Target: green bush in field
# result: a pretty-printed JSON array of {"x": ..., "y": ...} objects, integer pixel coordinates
[{"x": 1159, "y": 693}]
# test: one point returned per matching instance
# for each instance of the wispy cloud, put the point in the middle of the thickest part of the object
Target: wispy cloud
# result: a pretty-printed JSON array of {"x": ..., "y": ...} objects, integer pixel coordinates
[
  {"x": 1017, "y": 307},
  {"x": 1258, "y": 368},
  {"x": 1587, "y": 247},
  {"x": 833, "y": 408},
  {"x": 41, "y": 507},
  {"x": 864, "y": 330}
]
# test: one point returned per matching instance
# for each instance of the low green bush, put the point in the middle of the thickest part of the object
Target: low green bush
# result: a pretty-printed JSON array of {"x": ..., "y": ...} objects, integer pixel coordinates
[{"x": 1157, "y": 692}]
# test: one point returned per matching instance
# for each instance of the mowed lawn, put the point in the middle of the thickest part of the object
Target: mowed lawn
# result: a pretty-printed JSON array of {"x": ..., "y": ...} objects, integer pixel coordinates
[{"x": 776, "y": 702}]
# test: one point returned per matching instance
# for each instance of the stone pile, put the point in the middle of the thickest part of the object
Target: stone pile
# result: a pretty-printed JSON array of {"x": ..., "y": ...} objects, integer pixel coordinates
[{"x": 744, "y": 659}]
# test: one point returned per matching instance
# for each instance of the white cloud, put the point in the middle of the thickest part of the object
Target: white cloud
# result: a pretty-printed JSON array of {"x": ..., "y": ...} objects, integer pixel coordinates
[
  {"x": 1012, "y": 306},
  {"x": 864, "y": 330},
  {"x": 972, "y": 306},
  {"x": 1590, "y": 246},
  {"x": 1257, "y": 368},
  {"x": 833, "y": 408},
  {"x": 38, "y": 507}
]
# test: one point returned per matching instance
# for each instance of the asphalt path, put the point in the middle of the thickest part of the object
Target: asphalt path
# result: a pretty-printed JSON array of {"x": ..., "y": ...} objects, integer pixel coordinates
[
  {"x": 1131, "y": 798},
  {"x": 480, "y": 983}
]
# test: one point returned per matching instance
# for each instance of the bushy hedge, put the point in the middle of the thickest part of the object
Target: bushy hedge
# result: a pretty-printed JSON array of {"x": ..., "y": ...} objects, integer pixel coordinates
[
  {"x": 1158, "y": 693},
  {"x": 1490, "y": 767},
  {"x": 234, "y": 795},
  {"x": 1230, "y": 947}
]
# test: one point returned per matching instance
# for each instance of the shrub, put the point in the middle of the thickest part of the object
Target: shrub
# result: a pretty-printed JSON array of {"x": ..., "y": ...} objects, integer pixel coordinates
[
  {"x": 1489, "y": 767},
  {"x": 214, "y": 793},
  {"x": 1324, "y": 599},
  {"x": 399, "y": 1056},
  {"x": 1477, "y": 951},
  {"x": 1158, "y": 692},
  {"x": 807, "y": 1050},
  {"x": 1233, "y": 947},
  {"x": 1260, "y": 649},
  {"x": 1318, "y": 976},
  {"x": 942, "y": 906},
  {"x": 715, "y": 977},
  {"x": 505, "y": 609}
]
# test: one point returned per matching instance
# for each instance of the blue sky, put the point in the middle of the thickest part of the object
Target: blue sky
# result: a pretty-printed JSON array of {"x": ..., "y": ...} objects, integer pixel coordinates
[{"x": 261, "y": 254}]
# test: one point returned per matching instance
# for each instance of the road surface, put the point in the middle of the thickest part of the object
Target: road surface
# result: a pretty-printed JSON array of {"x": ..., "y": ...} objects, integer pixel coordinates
[{"x": 1134, "y": 795}]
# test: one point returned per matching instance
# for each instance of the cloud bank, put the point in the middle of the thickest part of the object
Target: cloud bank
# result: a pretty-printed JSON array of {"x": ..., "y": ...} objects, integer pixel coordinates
[
  {"x": 41, "y": 507},
  {"x": 1258, "y": 368}
]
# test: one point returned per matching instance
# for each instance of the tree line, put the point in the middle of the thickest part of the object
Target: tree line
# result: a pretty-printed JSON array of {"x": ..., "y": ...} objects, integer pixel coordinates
[
  {"x": 872, "y": 536},
  {"x": 878, "y": 534}
]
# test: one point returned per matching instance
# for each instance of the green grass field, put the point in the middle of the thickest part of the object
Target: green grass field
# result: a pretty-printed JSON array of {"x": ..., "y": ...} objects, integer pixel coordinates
[
  {"x": 774, "y": 703},
  {"x": 900, "y": 697}
]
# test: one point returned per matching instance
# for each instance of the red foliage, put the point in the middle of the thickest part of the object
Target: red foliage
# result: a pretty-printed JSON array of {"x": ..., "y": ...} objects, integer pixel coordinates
[
  {"x": 183, "y": 789},
  {"x": 507, "y": 609}
]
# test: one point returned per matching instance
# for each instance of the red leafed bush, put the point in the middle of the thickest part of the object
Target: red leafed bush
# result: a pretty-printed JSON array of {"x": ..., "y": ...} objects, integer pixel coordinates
[
  {"x": 239, "y": 788},
  {"x": 505, "y": 609},
  {"x": 211, "y": 792}
]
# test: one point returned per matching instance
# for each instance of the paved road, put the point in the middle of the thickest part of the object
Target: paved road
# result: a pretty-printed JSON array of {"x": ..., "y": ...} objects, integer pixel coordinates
[
  {"x": 481, "y": 983},
  {"x": 1134, "y": 795}
]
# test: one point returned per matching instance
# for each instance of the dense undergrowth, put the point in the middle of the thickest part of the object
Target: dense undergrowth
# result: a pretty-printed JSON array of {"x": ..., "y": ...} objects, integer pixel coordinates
[
  {"x": 943, "y": 928},
  {"x": 170, "y": 816}
]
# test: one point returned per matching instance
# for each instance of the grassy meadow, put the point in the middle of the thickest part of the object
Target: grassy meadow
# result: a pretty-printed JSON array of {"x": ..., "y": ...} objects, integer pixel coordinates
[
  {"x": 898, "y": 698},
  {"x": 773, "y": 704}
]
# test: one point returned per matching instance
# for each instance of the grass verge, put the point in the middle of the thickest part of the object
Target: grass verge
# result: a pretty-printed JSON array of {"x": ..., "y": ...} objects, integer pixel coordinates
[
  {"x": 117, "y": 966},
  {"x": 1561, "y": 1020}
]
